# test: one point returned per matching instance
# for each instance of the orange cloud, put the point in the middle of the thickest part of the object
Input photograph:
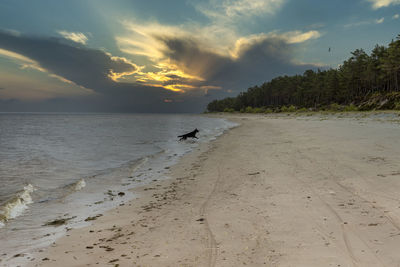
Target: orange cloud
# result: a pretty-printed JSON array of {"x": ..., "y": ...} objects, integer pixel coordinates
[
  {"x": 169, "y": 77},
  {"x": 116, "y": 75}
]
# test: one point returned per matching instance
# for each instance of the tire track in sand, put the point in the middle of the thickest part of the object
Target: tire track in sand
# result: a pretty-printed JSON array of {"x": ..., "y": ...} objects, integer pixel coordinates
[
  {"x": 347, "y": 234},
  {"x": 348, "y": 248},
  {"x": 212, "y": 248}
]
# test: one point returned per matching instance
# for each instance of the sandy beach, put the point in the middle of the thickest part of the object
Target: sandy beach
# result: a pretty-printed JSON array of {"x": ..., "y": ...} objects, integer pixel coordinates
[{"x": 275, "y": 191}]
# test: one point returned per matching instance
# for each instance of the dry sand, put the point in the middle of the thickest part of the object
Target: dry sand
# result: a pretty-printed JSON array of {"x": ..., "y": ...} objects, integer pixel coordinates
[{"x": 272, "y": 192}]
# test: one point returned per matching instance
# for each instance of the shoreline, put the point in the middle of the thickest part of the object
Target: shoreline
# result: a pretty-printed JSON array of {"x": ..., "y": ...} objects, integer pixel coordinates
[
  {"x": 105, "y": 189},
  {"x": 165, "y": 189},
  {"x": 304, "y": 193}
]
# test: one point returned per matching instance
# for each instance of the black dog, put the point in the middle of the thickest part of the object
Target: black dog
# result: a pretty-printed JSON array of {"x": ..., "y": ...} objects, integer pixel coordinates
[{"x": 192, "y": 134}]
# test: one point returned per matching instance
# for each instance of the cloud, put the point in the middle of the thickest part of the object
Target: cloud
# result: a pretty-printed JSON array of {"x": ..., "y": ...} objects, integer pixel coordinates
[
  {"x": 193, "y": 67},
  {"x": 227, "y": 16},
  {"x": 27, "y": 88},
  {"x": 17, "y": 57},
  {"x": 365, "y": 22},
  {"x": 233, "y": 9},
  {"x": 376, "y": 4},
  {"x": 27, "y": 63},
  {"x": 396, "y": 16},
  {"x": 89, "y": 68},
  {"x": 254, "y": 60},
  {"x": 77, "y": 37},
  {"x": 357, "y": 24},
  {"x": 199, "y": 59},
  {"x": 296, "y": 37},
  {"x": 116, "y": 74}
]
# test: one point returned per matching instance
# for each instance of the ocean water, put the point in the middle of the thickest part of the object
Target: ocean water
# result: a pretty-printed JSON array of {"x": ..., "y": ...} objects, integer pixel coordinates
[{"x": 72, "y": 166}]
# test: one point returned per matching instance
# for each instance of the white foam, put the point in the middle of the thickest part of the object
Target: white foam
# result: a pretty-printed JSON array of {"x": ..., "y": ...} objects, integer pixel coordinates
[
  {"x": 16, "y": 205},
  {"x": 80, "y": 184}
]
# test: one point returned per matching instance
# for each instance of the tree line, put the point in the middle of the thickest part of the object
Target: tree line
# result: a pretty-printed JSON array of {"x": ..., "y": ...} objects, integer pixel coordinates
[{"x": 362, "y": 82}]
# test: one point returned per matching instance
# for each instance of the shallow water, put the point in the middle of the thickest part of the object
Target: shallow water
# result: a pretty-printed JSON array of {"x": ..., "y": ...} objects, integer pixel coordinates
[{"x": 73, "y": 165}]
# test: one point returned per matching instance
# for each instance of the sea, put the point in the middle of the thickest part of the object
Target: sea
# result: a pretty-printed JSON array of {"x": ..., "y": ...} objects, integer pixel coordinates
[{"x": 73, "y": 166}]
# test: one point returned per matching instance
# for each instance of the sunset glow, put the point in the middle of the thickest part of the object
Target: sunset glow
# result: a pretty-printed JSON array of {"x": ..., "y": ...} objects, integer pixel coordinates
[{"x": 137, "y": 52}]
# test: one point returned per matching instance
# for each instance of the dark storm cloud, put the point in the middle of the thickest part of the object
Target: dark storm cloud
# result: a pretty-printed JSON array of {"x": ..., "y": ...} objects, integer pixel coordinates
[
  {"x": 188, "y": 55},
  {"x": 256, "y": 62},
  {"x": 175, "y": 79},
  {"x": 86, "y": 67},
  {"x": 83, "y": 66}
]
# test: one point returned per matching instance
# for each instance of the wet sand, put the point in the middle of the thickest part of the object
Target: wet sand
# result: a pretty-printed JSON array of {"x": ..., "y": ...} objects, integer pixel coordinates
[{"x": 275, "y": 191}]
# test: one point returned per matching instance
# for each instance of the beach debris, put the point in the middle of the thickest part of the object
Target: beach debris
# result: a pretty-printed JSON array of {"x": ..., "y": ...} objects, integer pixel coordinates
[
  {"x": 93, "y": 217},
  {"x": 110, "y": 193},
  {"x": 149, "y": 188},
  {"x": 116, "y": 236},
  {"x": 373, "y": 224},
  {"x": 58, "y": 222},
  {"x": 253, "y": 173},
  {"x": 200, "y": 220},
  {"x": 45, "y": 259},
  {"x": 108, "y": 248},
  {"x": 89, "y": 247},
  {"x": 121, "y": 194}
]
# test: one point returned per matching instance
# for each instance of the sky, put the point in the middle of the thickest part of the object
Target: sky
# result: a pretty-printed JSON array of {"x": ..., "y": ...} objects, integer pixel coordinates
[{"x": 172, "y": 56}]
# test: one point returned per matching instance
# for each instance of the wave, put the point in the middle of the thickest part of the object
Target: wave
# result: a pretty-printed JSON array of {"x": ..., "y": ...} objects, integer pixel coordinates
[
  {"x": 76, "y": 186},
  {"x": 62, "y": 192},
  {"x": 80, "y": 184},
  {"x": 16, "y": 205}
]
